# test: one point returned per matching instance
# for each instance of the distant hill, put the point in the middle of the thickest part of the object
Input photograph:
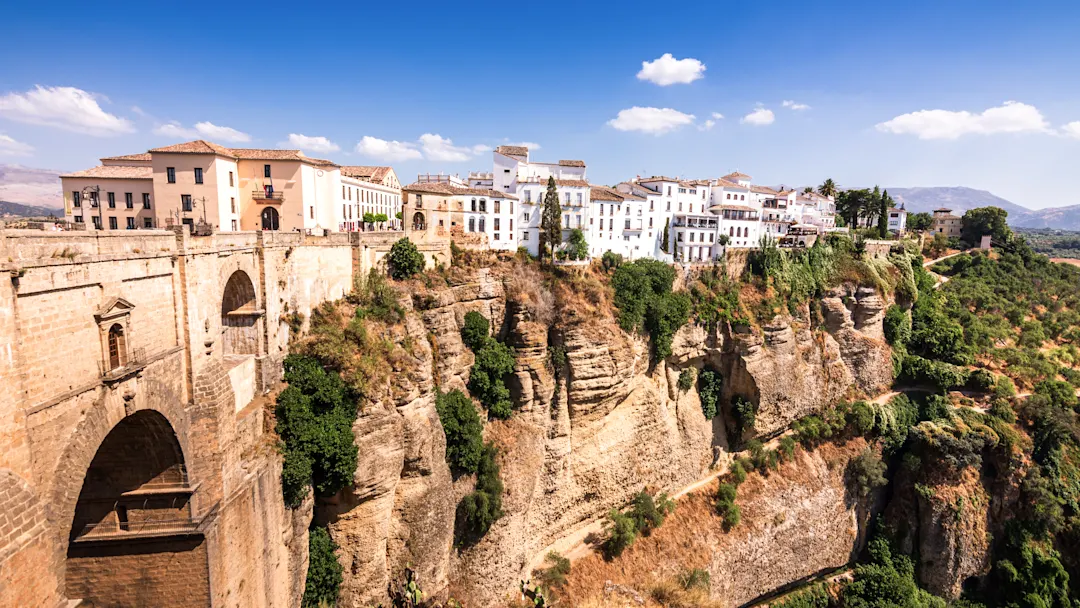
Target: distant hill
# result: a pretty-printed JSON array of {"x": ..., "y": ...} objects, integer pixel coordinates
[
  {"x": 957, "y": 198},
  {"x": 31, "y": 187},
  {"x": 10, "y": 210}
]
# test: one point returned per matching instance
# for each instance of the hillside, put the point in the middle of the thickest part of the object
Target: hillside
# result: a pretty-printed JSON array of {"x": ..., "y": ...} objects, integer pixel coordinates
[
  {"x": 16, "y": 210},
  {"x": 27, "y": 186},
  {"x": 958, "y": 198}
]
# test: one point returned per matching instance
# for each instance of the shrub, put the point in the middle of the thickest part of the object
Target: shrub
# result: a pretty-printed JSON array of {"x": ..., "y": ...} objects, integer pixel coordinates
[
  {"x": 942, "y": 376},
  {"x": 405, "y": 259},
  {"x": 578, "y": 248},
  {"x": 861, "y": 418},
  {"x": 647, "y": 513},
  {"x": 324, "y": 571},
  {"x": 376, "y": 298},
  {"x": 814, "y": 596},
  {"x": 709, "y": 384},
  {"x": 463, "y": 429},
  {"x": 1000, "y": 409},
  {"x": 315, "y": 414},
  {"x": 611, "y": 260},
  {"x": 474, "y": 332},
  {"x": 695, "y": 578},
  {"x": 887, "y": 580},
  {"x": 787, "y": 447},
  {"x": 1004, "y": 387},
  {"x": 645, "y": 301},
  {"x": 897, "y": 325},
  {"x": 621, "y": 533},
  {"x": 479, "y": 510},
  {"x": 745, "y": 413},
  {"x": 1061, "y": 394},
  {"x": 725, "y": 505},
  {"x": 557, "y": 356},
  {"x": 494, "y": 361},
  {"x": 554, "y": 576},
  {"x": 981, "y": 380},
  {"x": 686, "y": 379},
  {"x": 738, "y": 472},
  {"x": 867, "y": 471},
  {"x": 758, "y": 457}
]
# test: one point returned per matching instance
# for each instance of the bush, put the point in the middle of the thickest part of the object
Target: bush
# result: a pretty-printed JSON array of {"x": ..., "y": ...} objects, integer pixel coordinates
[
  {"x": 376, "y": 298},
  {"x": 886, "y": 581},
  {"x": 479, "y": 510},
  {"x": 463, "y": 429},
  {"x": 867, "y": 471},
  {"x": 745, "y": 414},
  {"x": 897, "y": 325},
  {"x": 981, "y": 380},
  {"x": 725, "y": 505},
  {"x": 787, "y": 447},
  {"x": 315, "y": 414},
  {"x": 405, "y": 259},
  {"x": 621, "y": 533},
  {"x": 943, "y": 376},
  {"x": 554, "y": 576},
  {"x": 695, "y": 578},
  {"x": 814, "y": 596},
  {"x": 475, "y": 331},
  {"x": 494, "y": 361},
  {"x": 324, "y": 571},
  {"x": 647, "y": 513},
  {"x": 578, "y": 248},
  {"x": 611, "y": 260},
  {"x": 738, "y": 472},
  {"x": 709, "y": 384},
  {"x": 645, "y": 301},
  {"x": 1061, "y": 394},
  {"x": 1004, "y": 387},
  {"x": 686, "y": 379}
]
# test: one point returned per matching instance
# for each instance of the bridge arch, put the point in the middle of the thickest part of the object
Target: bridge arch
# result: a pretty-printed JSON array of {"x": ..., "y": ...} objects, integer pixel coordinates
[{"x": 240, "y": 315}]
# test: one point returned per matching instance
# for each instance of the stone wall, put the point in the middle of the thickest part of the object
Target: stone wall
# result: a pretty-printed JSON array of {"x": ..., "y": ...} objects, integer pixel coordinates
[{"x": 59, "y": 400}]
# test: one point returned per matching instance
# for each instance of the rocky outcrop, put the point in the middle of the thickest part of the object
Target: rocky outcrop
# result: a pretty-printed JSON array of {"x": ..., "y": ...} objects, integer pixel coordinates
[
  {"x": 954, "y": 536},
  {"x": 584, "y": 438}
]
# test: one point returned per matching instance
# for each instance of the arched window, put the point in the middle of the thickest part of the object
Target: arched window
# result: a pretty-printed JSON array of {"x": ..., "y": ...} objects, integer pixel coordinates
[
  {"x": 472, "y": 223},
  {"x": 270, "y": 219},
  {"x": 418, "y": 221},
  {"x": 117, "y": 347}
]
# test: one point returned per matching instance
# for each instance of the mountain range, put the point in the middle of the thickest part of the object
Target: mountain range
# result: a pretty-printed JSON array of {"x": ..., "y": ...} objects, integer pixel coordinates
[{"x": 27, "y": 192}]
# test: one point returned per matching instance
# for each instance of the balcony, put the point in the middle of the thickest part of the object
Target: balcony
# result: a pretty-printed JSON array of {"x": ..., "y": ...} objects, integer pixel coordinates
[
  {"x": 264, "y": 197},
  {"x": 121, "y": 531},
  {"x": 695, "y": 222}
]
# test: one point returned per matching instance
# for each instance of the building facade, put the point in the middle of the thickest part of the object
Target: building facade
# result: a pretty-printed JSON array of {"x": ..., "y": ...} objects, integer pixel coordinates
[{"x": 944, "y": 222}]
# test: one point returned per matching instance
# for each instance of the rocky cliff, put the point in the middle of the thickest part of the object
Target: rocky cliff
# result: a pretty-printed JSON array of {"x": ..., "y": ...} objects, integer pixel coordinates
[{"x": 584, "y": 438}]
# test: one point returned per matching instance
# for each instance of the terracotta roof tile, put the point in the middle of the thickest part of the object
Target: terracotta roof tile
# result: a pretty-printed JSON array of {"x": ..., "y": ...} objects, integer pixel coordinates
[
  {"x": 143, "y": 156},
  {"x": 571, "y": 163},
  {"x": 272, "y": 154},
  {"x": 603, "y": 193},
  {"x": 570, "y": 183},
  {"x": 513, "y": 150},
  {"x": 736, "y": 176},
  {"x": 763, "y": 190},
  {"x": 198, "y": 146},
  {"x": 115, "y": 172},
  {"x": 449, "y": 189},
  {"x": 369, "y": 173},
  {"x": 729, "y": 184},
  {"x": 659, "y": 178}
]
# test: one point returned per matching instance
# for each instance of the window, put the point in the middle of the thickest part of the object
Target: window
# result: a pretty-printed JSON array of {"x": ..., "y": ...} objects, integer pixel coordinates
[
  {"x": 511, "y": 206},
  {"x": 130, "y": 223},
  {"x": 170, "y": 174},
  {"x": 525, "y": 235},
  {"x": 112, "y": 223},
  {"x": 729, "y": 196},
  {"x": 97, "y": 221},
  {"x": 472, "y": 206},
  {"x": 472, "y": 224},
  {"x": 506, "y": 171},
  {"x": 233, "y": 225},
  {"x": 185, "y": 202},
  {"x": 679, "y": 237},
  {"x": 231, "y": 184},
  {"x": 76, "y": 198},
  {"x": 579, "y": 195},
  {"x": 669, "y": 190},
  {"x": 668, "y": 206},
  {"x": 232, "y": 204},
  {"x": 650, "y": 222},
  {"x": 481, "y": 224},
  {"x": 112, "y": 200},
  {"x": 146, "y": 200},
  {"x": 483, "y": 205},
  {"x": 117, "y": 347},
  {"x": 78, "y": 219},
  {"x": 266, "y": 170},
  {"x": 567, "y": 198},
  {"x": 147, "y": 222},
  {"x": 198, "y": 175},
  {"x": 680, "y": 206},
  {"x": 496, "y": 236},
  {"x": 496, "y": 223},
  {"x": 129, "y": 200},
  {"x": 526, "y": 216},
  {"x": 691, "y": 237},
  {"x": 94, "y": 200},
  {"x": 528, "y": 196},
  {"x": 311, "y": 211},
  {"x": 611, "y": 224}
]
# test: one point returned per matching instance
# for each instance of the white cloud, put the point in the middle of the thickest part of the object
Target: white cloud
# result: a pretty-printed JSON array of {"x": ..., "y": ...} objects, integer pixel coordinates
[
  {"x": 226, "y": 134},
  {"x": 528, "y": 144},
  {"x": 442, "y": 149},
  {"x": 10, "y": 147},
  {"x": 708, "y": 124},
  {"x": 138, "y": 110},
  {"x": 65, "y": 108},
  {"x": 667, "y": 70},
  {"x": 795, "y": 106},
  {"x": 759, "y": 117},
  {"x": 650, "y": 120},
  {"x": 718, "y": 116},
  {"x": 313, "y": 144},
  {"x": 389, "y": 151},
  {"x": 1011, "y": 117},
  {"x": 208, "y": 130},
  {"x": 1071, "y": 129}
]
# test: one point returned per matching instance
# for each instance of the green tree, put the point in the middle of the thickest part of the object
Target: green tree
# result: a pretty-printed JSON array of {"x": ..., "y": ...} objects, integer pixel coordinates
[
  {"x": 463, "y": 429},
  {"x": 551, "y": 219},
  {"x": 867, "y": 471},
  {"x": 919, "y": 221},
  {"x": 475, "y": 332},
  {"x": 982, "y": 221},
  {"x": 709, "y": 385},
  {"x": 369, "y": 218},
  {"x": 886, "y": 581},
  {"x": 492, "y": 364},
  {"x": 324, "y": 571},
  {"x": 405, "y": 259},
  {"x": 664, "y": 236},
  {"x": 645, "y": 301},
  {"x": 621, "y": 533},
  {"x": 883, "y": 214},
  {"x": 854, "y": 204},
  {"x": 897, "y": 325},
  {"x": 315, "y": 414},
  {"x": 480, "y": 509},
  {"x": 579, "y": 249}
]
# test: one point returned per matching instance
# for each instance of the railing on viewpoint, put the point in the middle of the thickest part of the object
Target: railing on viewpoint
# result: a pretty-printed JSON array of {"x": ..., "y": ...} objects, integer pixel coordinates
[{"x": 128, "y": 529}]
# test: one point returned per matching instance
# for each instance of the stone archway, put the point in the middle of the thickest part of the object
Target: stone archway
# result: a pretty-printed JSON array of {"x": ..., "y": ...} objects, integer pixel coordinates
[
  {"x": 239, "y": 316},
  {"x": 419, "y": 224},
  {"x": 134, "y": 539}
]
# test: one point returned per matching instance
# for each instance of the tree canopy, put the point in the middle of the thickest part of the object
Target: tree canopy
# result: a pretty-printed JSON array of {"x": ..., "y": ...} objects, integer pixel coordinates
[
  {"x": 985, "y": 221},
  {"x": 551, "y": 218}
]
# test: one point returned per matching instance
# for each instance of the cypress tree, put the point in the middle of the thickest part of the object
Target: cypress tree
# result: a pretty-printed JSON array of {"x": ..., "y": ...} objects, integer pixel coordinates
[
  {"x": 551, "y": 219},
  {"x": 883, "y": 215}
]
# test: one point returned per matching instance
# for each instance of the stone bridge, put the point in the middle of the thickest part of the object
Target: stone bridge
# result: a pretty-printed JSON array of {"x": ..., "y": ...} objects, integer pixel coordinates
[{"x": 136, "y": 466}]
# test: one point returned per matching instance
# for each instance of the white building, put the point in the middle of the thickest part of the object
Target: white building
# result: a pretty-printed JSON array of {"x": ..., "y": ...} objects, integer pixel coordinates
[
  {"x": 368, "y": 190},
  {"x": 897, "y": 219}
]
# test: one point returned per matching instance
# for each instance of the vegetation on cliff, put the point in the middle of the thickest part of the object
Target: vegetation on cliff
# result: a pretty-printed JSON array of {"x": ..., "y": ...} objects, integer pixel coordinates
[
  {"x": 324, "y": 577},
  {"x": 493, "y": 362},
  {"x": 646, "y": 302}
]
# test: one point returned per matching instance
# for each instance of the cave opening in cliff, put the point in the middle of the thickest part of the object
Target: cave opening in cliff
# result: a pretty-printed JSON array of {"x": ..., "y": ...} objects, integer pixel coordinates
[{"x": 133, "y": 539}]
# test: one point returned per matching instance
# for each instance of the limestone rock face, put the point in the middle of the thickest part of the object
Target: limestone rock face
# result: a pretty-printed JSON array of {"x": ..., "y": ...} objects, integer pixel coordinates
[
  {"x": 954, "y": 536},
  {"x": 584, "y": 438}
]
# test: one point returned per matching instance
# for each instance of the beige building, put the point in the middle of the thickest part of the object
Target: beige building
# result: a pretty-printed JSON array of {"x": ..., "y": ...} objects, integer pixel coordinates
[
  {"x": 945, "y": 223},
  {"x": 471, "y": 217},
  {"x": 200, "y": 183}
]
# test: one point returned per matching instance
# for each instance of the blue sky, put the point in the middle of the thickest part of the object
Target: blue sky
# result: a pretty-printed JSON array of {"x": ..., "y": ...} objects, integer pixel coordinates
[{"x": 119, "y": 78}]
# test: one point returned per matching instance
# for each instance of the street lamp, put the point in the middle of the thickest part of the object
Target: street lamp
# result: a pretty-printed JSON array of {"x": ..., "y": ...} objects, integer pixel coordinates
[{"x": 91, "y": 193}]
